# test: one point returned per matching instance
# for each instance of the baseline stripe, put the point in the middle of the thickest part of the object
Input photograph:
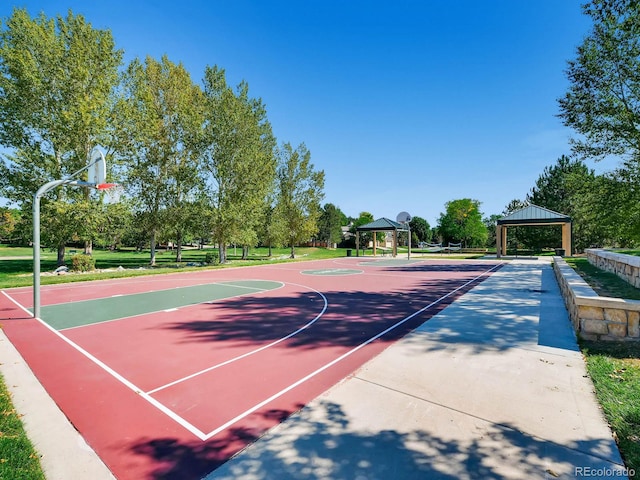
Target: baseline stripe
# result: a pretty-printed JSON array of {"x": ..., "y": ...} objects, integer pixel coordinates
[
  {"x": 178, "y": 419},
  {"x": 340, "y": 358}
]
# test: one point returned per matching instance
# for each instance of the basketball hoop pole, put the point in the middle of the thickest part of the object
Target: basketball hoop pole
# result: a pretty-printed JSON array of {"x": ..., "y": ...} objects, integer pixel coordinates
[{"x": 36, "y": 224}]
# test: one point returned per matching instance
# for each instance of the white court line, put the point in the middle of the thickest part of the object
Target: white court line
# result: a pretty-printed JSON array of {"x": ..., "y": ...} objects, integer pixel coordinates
[
  {"x": 339, "y": 359},
  {"x": 170, "y": 413},
  {"x": 179, "y": 287},
  {"x": 17, "y": 304},
  {"x": 255, "y": 290},
  {"x": 205, "y": 436},
  {"x": 247, "y": 354}
]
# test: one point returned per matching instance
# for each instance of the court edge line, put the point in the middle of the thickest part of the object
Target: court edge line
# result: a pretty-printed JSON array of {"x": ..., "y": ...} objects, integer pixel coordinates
[
  {"x": 167, "y": 290},
  {"x": 205, "y": 436},
  {"x": 189, "y": 427},
  {"x": 244, "y": 355},
  {"x": 208, "y": 302},
  {"x": 17, "y": 304},
  {"x": 147, "y": 395},
  {"x": 340, "y": 358}
]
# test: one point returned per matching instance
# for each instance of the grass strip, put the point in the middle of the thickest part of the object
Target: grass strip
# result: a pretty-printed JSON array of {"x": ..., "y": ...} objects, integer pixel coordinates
[
  {"x": 605, "y": 284},
  {"x": 18, "y": 458},
  {"x": 614, "y": 368}
]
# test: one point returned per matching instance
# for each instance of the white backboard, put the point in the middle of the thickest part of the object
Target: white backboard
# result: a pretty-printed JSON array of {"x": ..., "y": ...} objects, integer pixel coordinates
[{"x": 98, "y": 167}]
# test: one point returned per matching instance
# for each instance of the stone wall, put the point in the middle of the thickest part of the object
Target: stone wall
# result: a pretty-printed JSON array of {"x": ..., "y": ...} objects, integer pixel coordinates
[
  {"x": 626, "y": 267},
  {"x": 594, "y": 317}
]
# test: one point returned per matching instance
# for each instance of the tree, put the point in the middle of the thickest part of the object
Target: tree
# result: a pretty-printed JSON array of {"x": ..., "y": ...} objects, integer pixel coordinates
[
  {"x": 300, "y": 189},
  {"x": 462, "y": 222},
  {"x": 158, "y": 120},
  {"x": 57, "y": 78},
  {"x": 420, "y": 230},
  {"x": 330, "y": 224},
  {"x": 558, "y": 188},
  {"x": 603, "y": 100},
  {"x": 606, "y": 210},
  {"x": 8, "y": 220},
  {"x": 238, "y": 160},
  {"x": 490, "y": 223}
]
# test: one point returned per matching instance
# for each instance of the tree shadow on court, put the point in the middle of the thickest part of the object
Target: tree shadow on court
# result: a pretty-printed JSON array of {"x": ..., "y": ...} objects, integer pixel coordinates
[
  {"x": 350, "y": 319},
  {"x": 328, "y": 441},
  {"x": 501, "y": 315}
]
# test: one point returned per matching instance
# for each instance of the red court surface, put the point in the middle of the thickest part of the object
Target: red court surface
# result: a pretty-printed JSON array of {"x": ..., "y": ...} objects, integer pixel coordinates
[{"x": 175, "y": 392}]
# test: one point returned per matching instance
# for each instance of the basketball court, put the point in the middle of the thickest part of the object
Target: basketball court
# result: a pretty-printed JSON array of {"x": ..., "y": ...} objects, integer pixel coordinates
[{"x": 179, "y": 372}]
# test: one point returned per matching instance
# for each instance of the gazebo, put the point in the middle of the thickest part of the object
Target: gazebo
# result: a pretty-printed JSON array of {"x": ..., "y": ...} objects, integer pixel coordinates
[
  {"x": 532, "y": 215},
  {"x": 381, "y": 225}
]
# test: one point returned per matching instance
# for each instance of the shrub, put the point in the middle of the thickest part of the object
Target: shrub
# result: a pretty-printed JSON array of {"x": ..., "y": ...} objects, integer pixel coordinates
[
  {"x": 211, "y": 258},
  {"x": 83, "y": 263}
]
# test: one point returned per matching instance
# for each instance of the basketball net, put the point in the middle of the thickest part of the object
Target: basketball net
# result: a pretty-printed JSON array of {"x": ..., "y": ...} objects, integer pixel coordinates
[{"x": 112, "y": 191}]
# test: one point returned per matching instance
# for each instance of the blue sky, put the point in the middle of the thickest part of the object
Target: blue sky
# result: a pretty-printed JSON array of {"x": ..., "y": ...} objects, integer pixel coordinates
[{"x": 405, "y": 105}]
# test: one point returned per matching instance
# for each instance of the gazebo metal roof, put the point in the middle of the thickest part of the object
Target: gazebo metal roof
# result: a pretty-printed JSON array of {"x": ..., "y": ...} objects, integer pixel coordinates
[
  {"x": 382, "y": 224},
  {"x": 534, "y": 215}
]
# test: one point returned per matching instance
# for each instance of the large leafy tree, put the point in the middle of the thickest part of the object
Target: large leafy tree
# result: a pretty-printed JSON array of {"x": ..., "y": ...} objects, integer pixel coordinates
[
  {"x": 330, "y": 224},
  {"x": 605, "y": 209},
  {"x": 462, "y": 222},
  {"x": 57, "y": 77},
  {"x": 603, "y": 100},
  {"x": 238, "y": 160},
  {"x": 158, "y": 120},
  {"x": 420, "y": 230},
  {"x": 300, "y": 189}
]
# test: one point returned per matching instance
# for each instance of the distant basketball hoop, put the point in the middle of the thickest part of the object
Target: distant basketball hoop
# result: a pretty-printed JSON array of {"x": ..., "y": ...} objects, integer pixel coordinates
[
  {"x": 105, "y": 186},
  {"x": 403, "y": 218}
]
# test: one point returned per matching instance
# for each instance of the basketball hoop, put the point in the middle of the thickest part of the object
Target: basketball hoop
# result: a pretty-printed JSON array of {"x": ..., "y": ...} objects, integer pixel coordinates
[
  {"x": 404, "y": 218},
  {"x": 110, "y": 192},
  {"x": 105, "y": 186}
]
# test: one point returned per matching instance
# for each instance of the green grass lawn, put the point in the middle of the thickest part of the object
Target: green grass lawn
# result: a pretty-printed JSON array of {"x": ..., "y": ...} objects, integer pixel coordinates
[
  {"x": 18, "y": 458},
  {"x": 614, "y": 368},
  {"x": 16, "y": 267},
  {"x": 605, "y": 284}
]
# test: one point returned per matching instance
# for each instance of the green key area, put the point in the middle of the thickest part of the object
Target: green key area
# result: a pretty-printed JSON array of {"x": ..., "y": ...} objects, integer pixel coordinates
[{"x": 87, "y": 312}]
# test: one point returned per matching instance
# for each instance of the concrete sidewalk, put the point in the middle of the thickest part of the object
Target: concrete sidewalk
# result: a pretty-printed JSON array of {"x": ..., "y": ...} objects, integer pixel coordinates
[{"x": 493, "y": 387}]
